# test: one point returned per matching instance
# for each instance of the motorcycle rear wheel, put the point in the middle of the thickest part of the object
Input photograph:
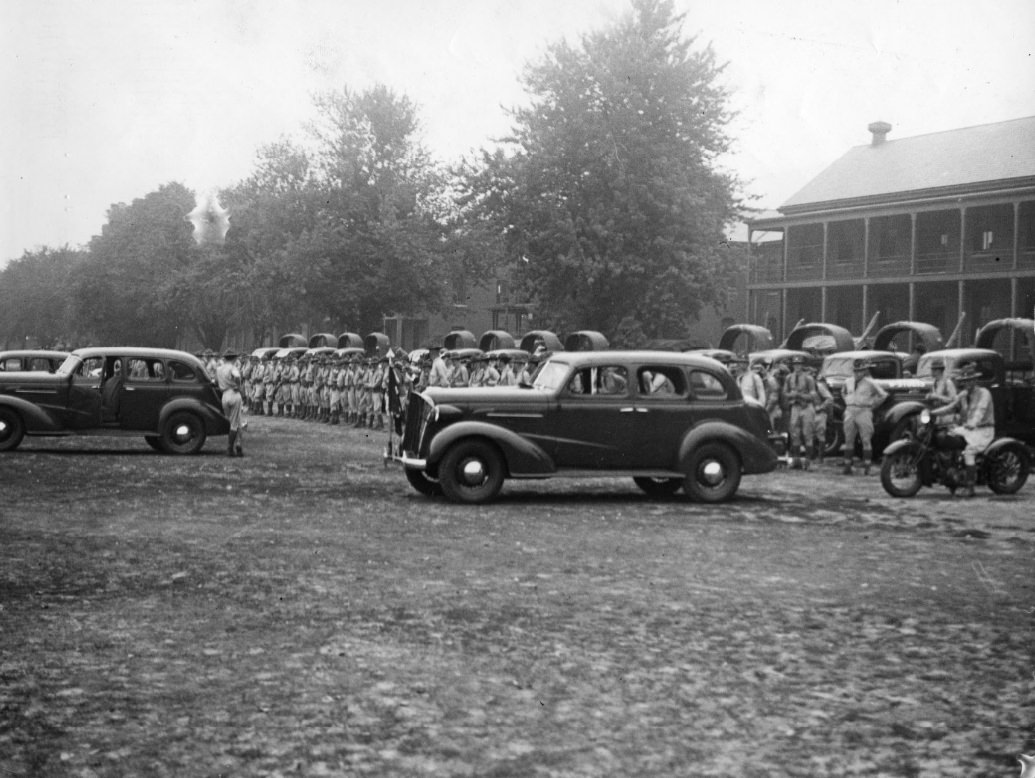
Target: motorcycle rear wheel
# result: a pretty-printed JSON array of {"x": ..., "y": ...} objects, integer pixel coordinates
[
  {"x": 1006, "y": 471},
  {"x": 899, "y": 474}
]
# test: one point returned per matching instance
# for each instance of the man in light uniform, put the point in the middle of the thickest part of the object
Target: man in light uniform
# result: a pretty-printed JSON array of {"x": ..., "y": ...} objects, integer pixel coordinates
[
  {"x": 862, "y": 395},
  {"x": 228, "y": 378}
]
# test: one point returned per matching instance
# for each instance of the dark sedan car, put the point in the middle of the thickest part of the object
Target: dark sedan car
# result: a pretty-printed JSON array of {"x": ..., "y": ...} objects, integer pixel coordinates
[
  {"x": 163, "y": 394},
  {"x": 668, "y": 420}
]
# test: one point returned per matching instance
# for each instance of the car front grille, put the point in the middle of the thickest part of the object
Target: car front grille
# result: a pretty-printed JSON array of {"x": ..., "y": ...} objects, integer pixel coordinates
[{"x": 418, "y": 411}]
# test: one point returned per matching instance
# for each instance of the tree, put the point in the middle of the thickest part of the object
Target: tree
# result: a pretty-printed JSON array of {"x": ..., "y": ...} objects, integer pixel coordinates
[
  {"x": 36, "y": 304},
  {"x": 608, "y": 191},
  {"x": 123, "y": 291}
]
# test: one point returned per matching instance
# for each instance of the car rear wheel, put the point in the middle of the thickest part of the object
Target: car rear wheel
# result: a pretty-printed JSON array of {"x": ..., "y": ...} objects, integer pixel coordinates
[
  {"x": 713, "y": 474},
  {"x": 1006, "y": 470},
  {"x": 422, "y": 482},
  {"x": 12, "y": 429},
  {"x": 659, "y": 487},
  {"x": 183, "y": 433},
  {"x": 471, "y": 472}
]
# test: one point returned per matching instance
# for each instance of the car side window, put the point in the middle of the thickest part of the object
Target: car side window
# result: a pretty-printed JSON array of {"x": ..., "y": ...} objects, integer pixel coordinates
[
  {"x": 705, "y": 386},
  {"x": 146, "y": 370},
  {"x": 605, "y": 380},
  {"x": 10, "y": 364},
  {"x": 661, "y": 381},
  {"x": 181, "y": 372}
]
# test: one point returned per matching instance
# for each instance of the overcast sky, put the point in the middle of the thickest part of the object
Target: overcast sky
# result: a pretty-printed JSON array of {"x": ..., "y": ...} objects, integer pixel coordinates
[{"x": 106, "y": 100}]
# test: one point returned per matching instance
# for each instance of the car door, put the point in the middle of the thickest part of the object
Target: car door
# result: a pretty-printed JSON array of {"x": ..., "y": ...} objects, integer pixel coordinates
[
  {"x": 664, "y": 414},
  {"x": 145, "y": 390},
  {"x": 591, "y": 425}
]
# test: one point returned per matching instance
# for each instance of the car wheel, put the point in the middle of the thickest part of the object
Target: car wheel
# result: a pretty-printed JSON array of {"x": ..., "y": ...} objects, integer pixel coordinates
[
  {"x": 12, "y": 429},
  {"x": 659, "y": 487},
  {"x": 183, "y": 433},
  {"x": 422, "y": 482},
  {"x": 471, "y": 472},
  {"x": 1006, "y": 470},
  {"x": 713, "y": 474},
  {"x": 835, "y": 439},
  {"x": 154, "y": 441},
  {"x": 899, "y": 474}
]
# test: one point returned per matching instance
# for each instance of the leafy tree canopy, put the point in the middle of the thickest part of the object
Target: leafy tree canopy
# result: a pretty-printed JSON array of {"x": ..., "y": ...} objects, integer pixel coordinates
[{"x": 608, "y": 192}]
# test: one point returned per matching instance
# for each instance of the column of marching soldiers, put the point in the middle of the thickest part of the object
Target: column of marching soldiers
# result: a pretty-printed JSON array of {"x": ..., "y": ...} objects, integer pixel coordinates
[{"x": 360, "y": 391}]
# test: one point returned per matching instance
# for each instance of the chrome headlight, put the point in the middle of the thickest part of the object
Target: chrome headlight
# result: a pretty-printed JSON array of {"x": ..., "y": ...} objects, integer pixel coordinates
[{"x": 925, "y": 416}]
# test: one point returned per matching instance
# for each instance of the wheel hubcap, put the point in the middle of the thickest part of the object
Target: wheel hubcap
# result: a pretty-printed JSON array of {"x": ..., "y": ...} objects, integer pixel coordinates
[
  {"x": 183, "y": 432},
  {"x": 472, "y": 472},
  {"x": 3, "y": 428},
  {"x": 711, "y": 473}
]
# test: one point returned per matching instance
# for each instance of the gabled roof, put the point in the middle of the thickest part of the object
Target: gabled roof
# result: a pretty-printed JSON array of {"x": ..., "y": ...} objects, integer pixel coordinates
[{"x": 972, "y": 157}]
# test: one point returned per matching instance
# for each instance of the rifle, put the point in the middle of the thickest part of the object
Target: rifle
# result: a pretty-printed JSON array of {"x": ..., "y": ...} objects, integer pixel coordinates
[
  {"x": 950, "y": 343},
  {"x": 861, "y": 340}
]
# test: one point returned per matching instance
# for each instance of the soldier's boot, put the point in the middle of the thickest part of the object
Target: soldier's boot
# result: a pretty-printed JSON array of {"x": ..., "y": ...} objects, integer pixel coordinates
[
  {"x": 846, "y": 467},
  {"x": 867, "y": 460},
  {"x": 334, "y": 417},
  {"x": 237, "y": 445},
  {"x": 231, "y": 443},
  {"x": 969, "y": 479},
  {"x": 380, "y": 421}
]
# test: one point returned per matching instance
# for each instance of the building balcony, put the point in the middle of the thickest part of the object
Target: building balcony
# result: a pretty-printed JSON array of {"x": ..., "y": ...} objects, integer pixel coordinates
[
  {"x": 888, "y": 266},
  {"x": 937, "y": 262},
  {"x": 988, "y": 262}
]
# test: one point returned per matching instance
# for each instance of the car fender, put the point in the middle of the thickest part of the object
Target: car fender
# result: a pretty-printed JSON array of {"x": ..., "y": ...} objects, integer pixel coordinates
[
  {"x": 215, "y": 423},
  {"x": 36, "y": 419},
  {"x": 756, "y": 456},
  {"x": 523, "y": 457}
]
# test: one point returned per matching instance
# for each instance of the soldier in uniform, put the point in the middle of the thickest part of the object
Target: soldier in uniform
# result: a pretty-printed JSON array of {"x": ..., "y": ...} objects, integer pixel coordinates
[
  {"x": 334, "y": 391},
  {"x": 438, "y": 374},
  {"x": 824, "y": 406},
  {"x": 862, "y": 395},
  {"x": 800, "y": 392},
  {"x": 228, "y": 378},
  {"x": 507, "y": 377},
  {"x": 375, "y": 384}
]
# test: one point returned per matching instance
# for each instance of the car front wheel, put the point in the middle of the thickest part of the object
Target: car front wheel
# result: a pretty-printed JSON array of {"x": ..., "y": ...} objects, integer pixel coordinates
[
  {"x": 471, "y": 472},
  {"x": 12, "y": 429},
  {"x": 422, "y": 482},
  {"x": 183, "y": 433},
  {"x": 658, "y": 487},
  {"x": 713, "y": 474}
]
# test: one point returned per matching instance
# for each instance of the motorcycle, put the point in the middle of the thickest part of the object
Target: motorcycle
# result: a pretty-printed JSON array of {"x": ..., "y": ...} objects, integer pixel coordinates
[{"x": 935, "y": 456}]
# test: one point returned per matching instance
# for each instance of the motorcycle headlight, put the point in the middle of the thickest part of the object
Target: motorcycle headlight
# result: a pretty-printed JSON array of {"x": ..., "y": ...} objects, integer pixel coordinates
[{"x": 925, "y": 416}]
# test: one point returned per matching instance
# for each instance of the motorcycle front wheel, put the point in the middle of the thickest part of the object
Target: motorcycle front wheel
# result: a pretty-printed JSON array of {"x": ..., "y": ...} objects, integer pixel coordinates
[
  {"x": 899, "y": 474},
  {"x": 1006, "y": 470}
]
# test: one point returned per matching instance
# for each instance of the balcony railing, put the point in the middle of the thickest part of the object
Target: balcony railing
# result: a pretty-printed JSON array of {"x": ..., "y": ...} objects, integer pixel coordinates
[
  {"x": 988, "y": 262},
  {"x": 937, "y": 262},
  {"x": 850, "y": 268},
  {"x": 892, "y": 265}
]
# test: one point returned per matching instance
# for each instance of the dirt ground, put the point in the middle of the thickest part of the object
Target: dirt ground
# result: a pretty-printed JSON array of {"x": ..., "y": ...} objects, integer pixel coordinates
[{"x": 302, "y": 611}]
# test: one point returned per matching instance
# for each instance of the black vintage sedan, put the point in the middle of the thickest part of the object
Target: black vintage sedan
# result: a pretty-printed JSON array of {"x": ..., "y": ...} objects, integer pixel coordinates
[
  {"x": 668, "y": 420},
  {"x": 165, "y": 395}
]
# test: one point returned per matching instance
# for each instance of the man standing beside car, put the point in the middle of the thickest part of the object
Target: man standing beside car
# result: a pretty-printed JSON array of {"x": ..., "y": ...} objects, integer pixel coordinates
[
  {"x": 228, "y": 378},
  {"x": 862, "y": 395}
]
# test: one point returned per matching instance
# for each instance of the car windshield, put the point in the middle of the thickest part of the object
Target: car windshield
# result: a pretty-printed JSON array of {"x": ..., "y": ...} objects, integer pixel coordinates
[
  {"x": 551, "y": 376},
  {"x": 841, "y": 367},
  {"x": 70, "y": 365}
]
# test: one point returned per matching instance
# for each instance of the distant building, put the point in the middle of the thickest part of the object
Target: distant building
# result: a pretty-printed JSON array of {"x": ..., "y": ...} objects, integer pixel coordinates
[{"x": 921, "y": 228}]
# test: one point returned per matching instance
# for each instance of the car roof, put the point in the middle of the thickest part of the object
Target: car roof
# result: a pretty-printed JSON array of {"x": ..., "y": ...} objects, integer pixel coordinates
[
  {"x": 37, "y": 352},
  {"x": 960, "y": 353},
  {"x": 590, "y": 358},
  {"x": 136, "y": 352},
  {"x": 864, "y": 354}
]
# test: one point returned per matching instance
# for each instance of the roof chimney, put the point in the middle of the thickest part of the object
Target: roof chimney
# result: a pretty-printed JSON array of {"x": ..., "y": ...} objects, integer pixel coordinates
[{"x": 880, "y": 132}]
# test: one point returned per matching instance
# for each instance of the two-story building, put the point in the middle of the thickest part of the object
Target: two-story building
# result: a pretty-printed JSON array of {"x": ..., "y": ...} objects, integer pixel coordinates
[{"x": 924, "y": 228}]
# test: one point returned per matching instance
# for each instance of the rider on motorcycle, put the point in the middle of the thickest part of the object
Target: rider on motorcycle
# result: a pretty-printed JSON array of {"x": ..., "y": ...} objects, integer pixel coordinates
[{"x": 977, "y": 413}]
